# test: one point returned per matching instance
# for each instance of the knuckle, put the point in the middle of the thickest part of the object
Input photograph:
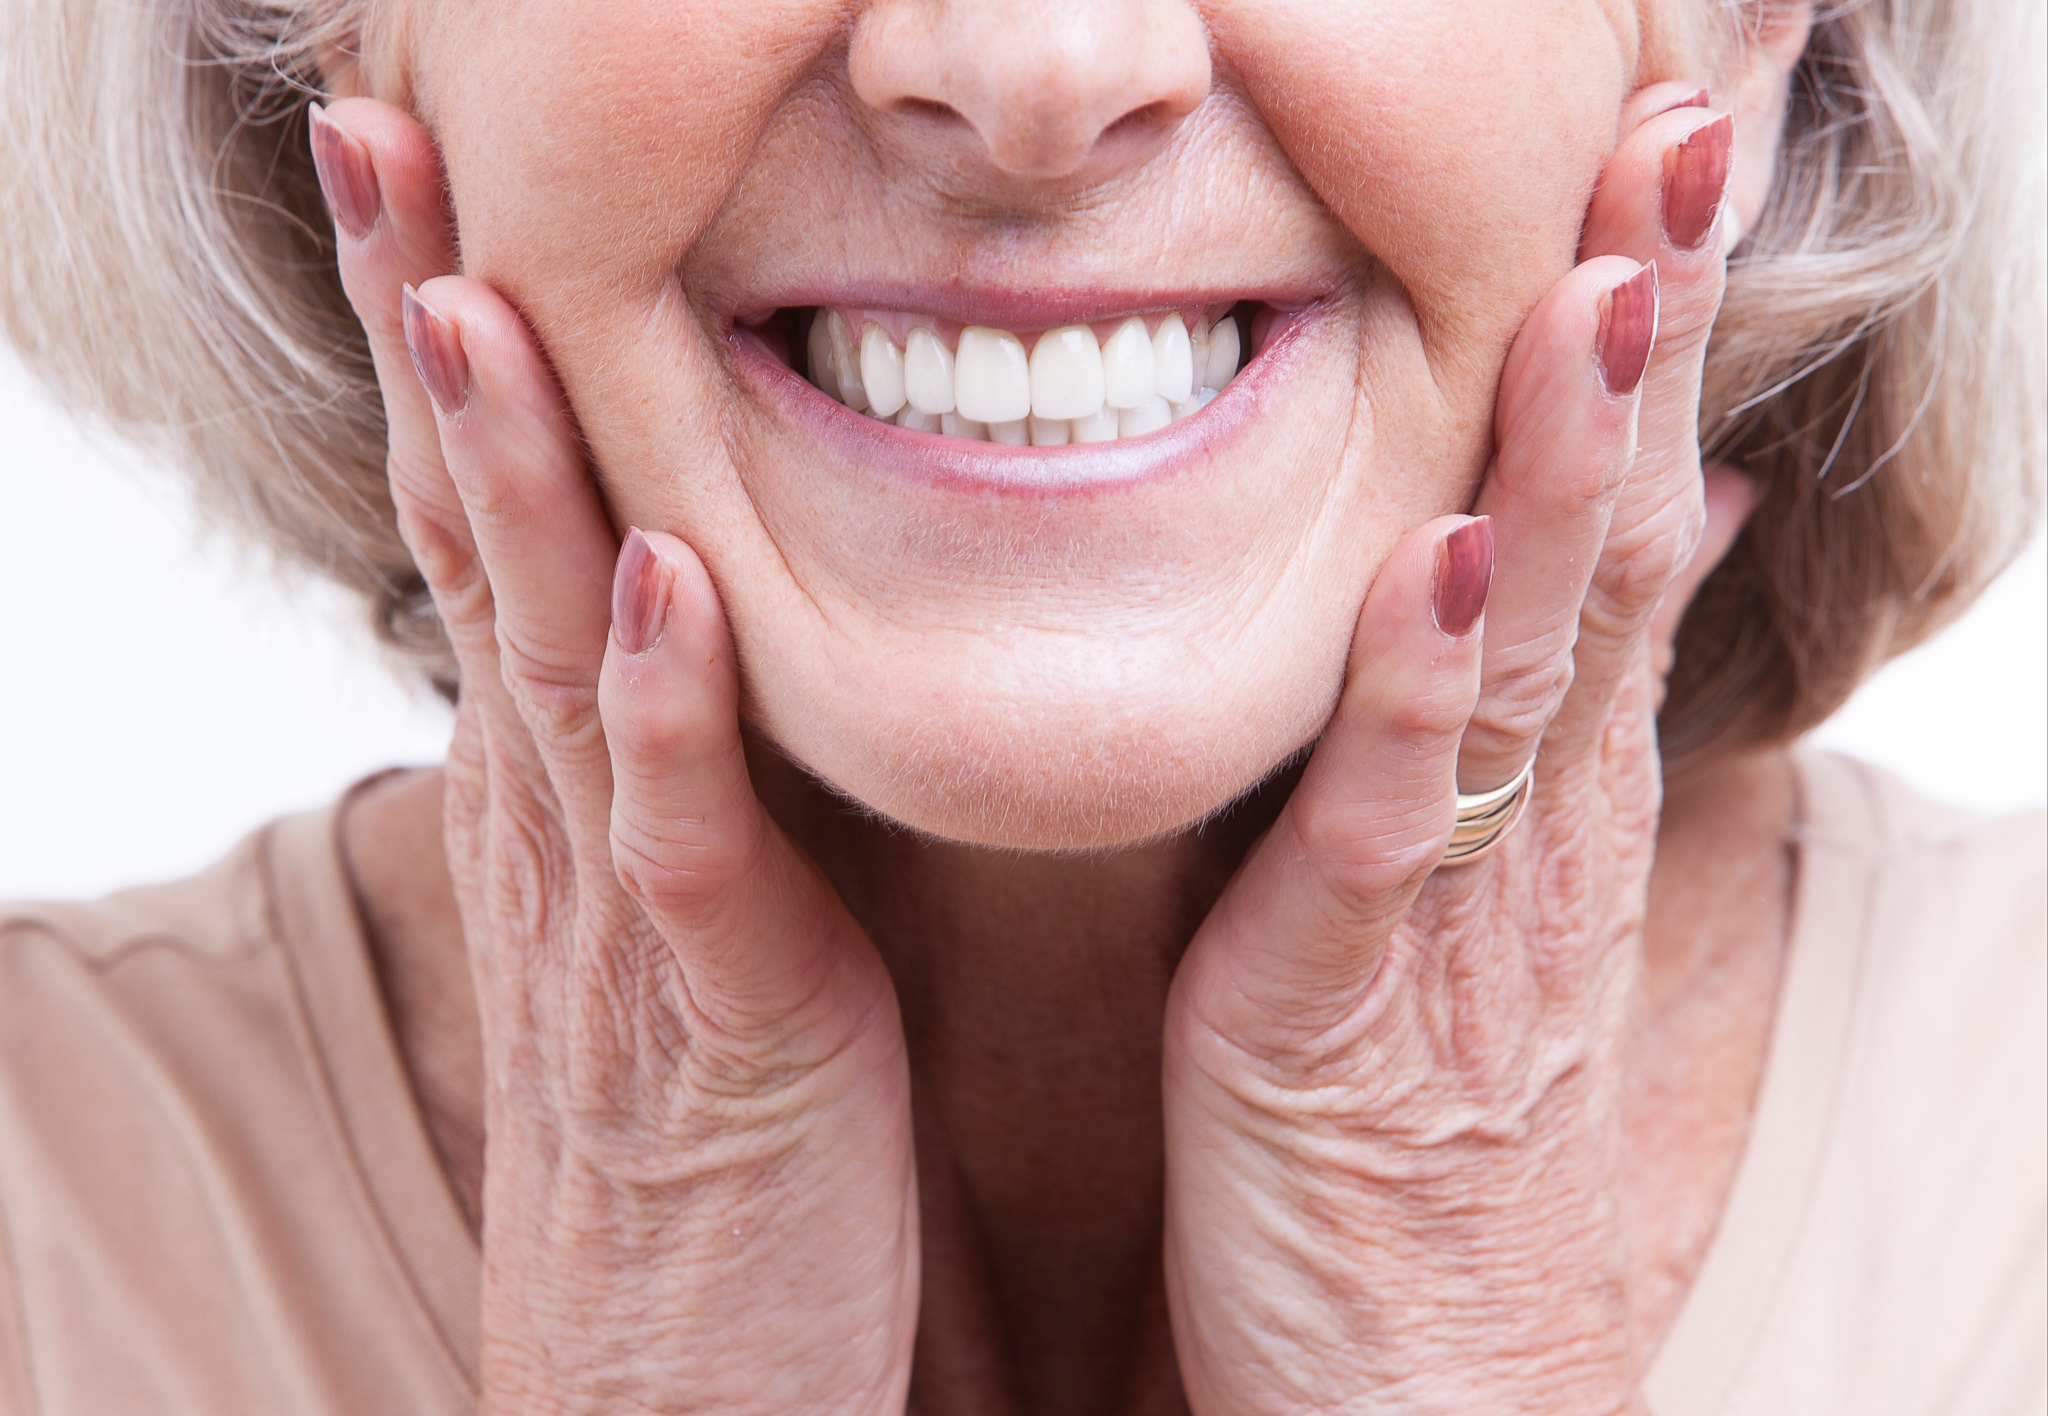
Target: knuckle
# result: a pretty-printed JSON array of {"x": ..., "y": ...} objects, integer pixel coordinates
[
  {"x": 1420, "y": 724},
  {"x": 1638, "y": 577},
  {"x": 530, "y": 871},
  {"x": 644, "y": 735},
  {"x": 494, "y": 502},
  {"x": 1369, "y": 852},
  {"x": 1518, "y": 705},
  {"x": 683, "y": 867},
  {"x": 556, "y": 697},
  {"x": 1640, "y": 564},
  {"x": 513, "y": 488},
  {"x": 1573, "y": 488},
  {"x": 462, "y": 594}
]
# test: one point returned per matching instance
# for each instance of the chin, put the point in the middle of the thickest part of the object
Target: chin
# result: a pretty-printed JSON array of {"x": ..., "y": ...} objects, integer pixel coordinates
[{"x": 1026, "y": 752}]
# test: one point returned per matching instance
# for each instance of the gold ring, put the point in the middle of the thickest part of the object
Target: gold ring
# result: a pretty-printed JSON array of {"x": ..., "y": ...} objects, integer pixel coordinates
[{"x": 1484, "y": 818}]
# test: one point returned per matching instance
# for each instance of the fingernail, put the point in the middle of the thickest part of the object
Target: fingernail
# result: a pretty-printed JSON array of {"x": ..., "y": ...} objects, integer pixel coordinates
[
  {"x": 1695, "y": 181},
  {"x": 437, "y": 355},
  {"x": 639, "y": 595},
  {"x": 1628, "y": 327},
  {"x": 348, "y": 179},
  {"x": 1464, "y": 573}
]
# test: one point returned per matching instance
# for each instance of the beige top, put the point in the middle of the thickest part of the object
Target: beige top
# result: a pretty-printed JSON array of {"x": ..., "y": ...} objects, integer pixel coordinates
[{"x": 217, "y": 1196}]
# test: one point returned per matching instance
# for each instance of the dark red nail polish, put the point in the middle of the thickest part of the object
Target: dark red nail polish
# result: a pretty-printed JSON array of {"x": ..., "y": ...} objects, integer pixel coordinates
[
  {"x": 437, "y": 355},
  {"x": 1464, "y": 573},
  {"x": 348, "y": 179},
  {"x": 639, "y": 596},
  {"x": 1628, "y": 327},
  {"x": 1696, "y": 181}
]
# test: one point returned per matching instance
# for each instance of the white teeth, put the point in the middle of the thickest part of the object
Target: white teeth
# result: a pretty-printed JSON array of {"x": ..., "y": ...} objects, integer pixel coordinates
[
  {"x": 991, "y": 376},
  {"x": 1096, "y": 427},
  {"x": 1128, "y": 375},
  {"x": 1222, "y": 362},
  {"x": 1050, "y": 432},
  {"x": 1148, "y": 417},
  {"x": 1066, "y": 373},
  {"x": 1173, "y": 357},
  {"x": 846, "y": 364},
  {"x": 1068, "y": 389},
  {"x": 881, "y": 370},
  {"x": 928, "y": 373}
]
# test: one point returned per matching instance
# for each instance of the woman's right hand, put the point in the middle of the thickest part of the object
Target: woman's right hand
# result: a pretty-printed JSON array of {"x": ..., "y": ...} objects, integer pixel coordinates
[{"x": 699, "y": 1186}]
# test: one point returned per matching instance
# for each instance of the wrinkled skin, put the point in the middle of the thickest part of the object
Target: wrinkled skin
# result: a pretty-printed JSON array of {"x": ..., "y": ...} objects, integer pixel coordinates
[{"x": 1390, "y": 1100}]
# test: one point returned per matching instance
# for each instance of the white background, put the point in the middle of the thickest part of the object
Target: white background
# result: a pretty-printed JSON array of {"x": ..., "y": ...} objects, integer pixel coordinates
[{"x": 161, "y": 695}]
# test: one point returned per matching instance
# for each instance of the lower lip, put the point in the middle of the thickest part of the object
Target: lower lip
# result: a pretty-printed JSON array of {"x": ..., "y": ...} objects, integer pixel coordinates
[{"x": 968, "y": 465}]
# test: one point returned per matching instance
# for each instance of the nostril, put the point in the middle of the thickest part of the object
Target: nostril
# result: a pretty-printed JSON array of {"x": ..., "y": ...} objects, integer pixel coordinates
[
  {"x": 1139, "y": 120},
  {"x": 930, "y": 108},
  {"x": 1040, "y": 95}
]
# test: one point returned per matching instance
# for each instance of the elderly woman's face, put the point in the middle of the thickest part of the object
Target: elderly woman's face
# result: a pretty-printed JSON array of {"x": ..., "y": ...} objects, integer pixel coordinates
[{"x": 1049, "y": 646}]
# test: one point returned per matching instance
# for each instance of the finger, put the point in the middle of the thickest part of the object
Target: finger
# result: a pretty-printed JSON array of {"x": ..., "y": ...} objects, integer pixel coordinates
[
  {"x": 1302, "y": 927},
  {"x": 381, "y": 176},
  {"x": 758, "y": 934},
  {"x": 1729, "y": 497},
  {"x": 1565, "y": 430},
  {"x": 542, "y": 535},
  {"x": 1662, "y": 200},
  {"x": 382, "y": 179}
]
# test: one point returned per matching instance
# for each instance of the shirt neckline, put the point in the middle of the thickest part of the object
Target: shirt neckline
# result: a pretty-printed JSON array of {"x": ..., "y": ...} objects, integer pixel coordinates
[
  {"x": 428, "y": 1247},
  {"x": 1725, "y": 1314}
]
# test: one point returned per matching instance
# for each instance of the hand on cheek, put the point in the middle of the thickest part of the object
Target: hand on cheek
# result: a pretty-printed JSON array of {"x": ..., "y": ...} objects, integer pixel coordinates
[
  {"x": 1393, "y": 1097},
  {"x": 697, "y": 1087}
]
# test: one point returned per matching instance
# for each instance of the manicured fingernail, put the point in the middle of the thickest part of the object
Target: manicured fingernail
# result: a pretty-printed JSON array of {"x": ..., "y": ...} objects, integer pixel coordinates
[
  {"x": 1628, "y": 327},
  {"x": 437, "y": 355},
  {"x": 1695, "y": 181},
  {"x": 348, "y": 179},
  {"x": 639, "y": 596},
  {"x": 1464, "y": 573}
]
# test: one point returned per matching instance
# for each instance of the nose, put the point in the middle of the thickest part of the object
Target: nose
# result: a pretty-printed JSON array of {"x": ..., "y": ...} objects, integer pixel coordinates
[{"x": 1040, "y": 88}]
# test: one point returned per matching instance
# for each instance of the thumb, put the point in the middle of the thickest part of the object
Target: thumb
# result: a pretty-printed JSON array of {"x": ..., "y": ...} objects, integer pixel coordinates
[
  {"x": 758, "y": 931},
  {"x": 1297, "y": 937}
]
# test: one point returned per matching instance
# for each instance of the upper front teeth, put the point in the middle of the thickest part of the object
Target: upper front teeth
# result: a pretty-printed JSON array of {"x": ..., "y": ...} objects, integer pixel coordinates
[
  {"x": 1068, "y": 388},
  {"x": 991, "y": 375}
]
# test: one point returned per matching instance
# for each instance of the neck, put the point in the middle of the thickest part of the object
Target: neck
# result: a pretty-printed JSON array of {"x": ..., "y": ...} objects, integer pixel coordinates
[{"x": 1032, "y": 990}]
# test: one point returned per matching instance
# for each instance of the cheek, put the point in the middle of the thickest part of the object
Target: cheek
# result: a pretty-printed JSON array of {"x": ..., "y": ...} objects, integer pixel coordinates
[
  {"x": 1458, "y": 139},
  {"x": 601, "y": 136}
]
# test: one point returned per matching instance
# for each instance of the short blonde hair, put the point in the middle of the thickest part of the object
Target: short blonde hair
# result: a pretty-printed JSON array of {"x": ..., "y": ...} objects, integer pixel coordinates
[{"x": 1877, "y": 367}]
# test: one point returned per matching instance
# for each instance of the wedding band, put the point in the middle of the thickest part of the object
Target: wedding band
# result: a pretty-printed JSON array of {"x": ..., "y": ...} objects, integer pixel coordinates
[{"x": 1484, "y": 818}]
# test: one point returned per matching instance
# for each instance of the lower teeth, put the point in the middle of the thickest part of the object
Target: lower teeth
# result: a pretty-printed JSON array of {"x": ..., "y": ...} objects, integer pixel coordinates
[{"x": 1068, "y": 389}]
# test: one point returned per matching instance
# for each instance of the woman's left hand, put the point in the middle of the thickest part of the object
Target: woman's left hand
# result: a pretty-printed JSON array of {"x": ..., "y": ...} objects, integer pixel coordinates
[{"x": 1393, "y": 1092}]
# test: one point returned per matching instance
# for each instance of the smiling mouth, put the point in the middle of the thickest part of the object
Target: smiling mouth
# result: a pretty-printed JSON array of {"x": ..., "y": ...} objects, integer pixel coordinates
[{"x": 1104, "y": 381}]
